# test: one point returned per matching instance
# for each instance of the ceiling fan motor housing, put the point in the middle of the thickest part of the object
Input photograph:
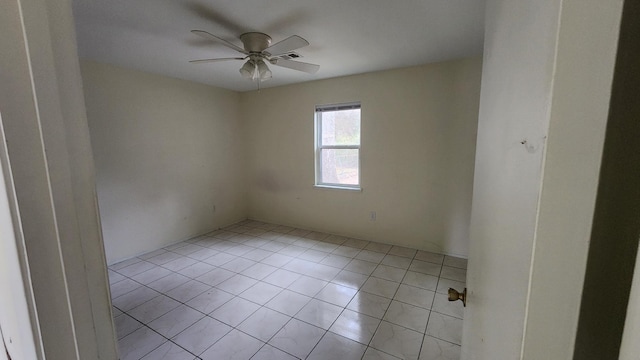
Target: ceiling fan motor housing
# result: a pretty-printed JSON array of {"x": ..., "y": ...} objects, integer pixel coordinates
[{"x": 255, "y": 42}]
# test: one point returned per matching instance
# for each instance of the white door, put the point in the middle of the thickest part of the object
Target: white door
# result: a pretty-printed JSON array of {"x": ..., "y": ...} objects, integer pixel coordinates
[{"x": 540, "y": 135}]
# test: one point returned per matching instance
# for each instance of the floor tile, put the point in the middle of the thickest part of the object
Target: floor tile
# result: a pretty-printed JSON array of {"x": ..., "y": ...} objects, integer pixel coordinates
[
  {"x": 369, "y": 304},
  {"x": 371, "y": 256},
  {"x": 454, "y": 273},
  {"x": 445, "y": 328},
  {"x": 282, "y": 278},
  {"x": 292, "y": 250},
  {"x": 187, "y": 249},
  {"x": 288, "y": 302},
  {"x": 139, "y": 343},
  {"x": 179, "y": 264},
  {"x": 219, "y": 259},
  {"x": 300, "y": 266},
  {"x": 455, "y": 262},
  {"x": 415, "y": 296},
  {"x": 202, "y": 254},
  {"x": 402, "y": 251},
  {"x": 335, "y": 239},
  {"x": 273, "y": 246},
  {"x": 355, "y": 326},
  {"x": 346, "y": 251},
  {"x": 377, "y": 247},
  {"x": 176, "y": 320},
  {"x": 337, "y": 261},
  {"x": 188, "y": 291},
  {"x": 356, "y": 243},
  {"x": 336, "y": 294},
  {"x": 409, "y": 316},
  {"x": 442, "y": 305},
  {"x": 334, "y": 346},
  {"x": 430, "y": 257},
  {"x": 380, "y": 287},
  {"x": 234, "y": 311},
  {"x": 325, "y": 246},
  {"x": 397, "y": 340},
  {"x": 122, "y": 287},
  {"x": 268, "y": 352},
  {"x": 137, "y": 268},
  {"x": 389, "y": 273},
  {"x": 210, "y": 300},
  {"x": 259, "y": 271},
  {"x": 425, "y": 267},
  {"x": 445, "y": 284},
  {"x": 264, "y": 323},
  {"x": 125, "y": 325},
  {"x": 308, "y": 286},
  {"x": 396, "y": 261},
  {"x": 373, "y": 354},
  {"x": 239, "y": 250},
  {"x": 114, "y": 277},
  {"x": 237, "y": 284},
  {"x": 215, "y": 276},
  {"x": 236, "y": 345},
  {"x": 297, "y": 338},
  {"x": 436, "y": 349},
  {"x": 238, "y": 264},
  {"x": 261, "y": 293},
  {"x": 151, "y": 275},
  {"x": 168, "y": 282},
  {"x": 164, "y": 258},
  {"x": 153, "y": 308},
  {"x": 124, "y": 264},
  {"x": 201, "y": 335},
  {"x": 277, "y": 260},
  {"x": 134, "y": 298},
  {"x": 257, "y": 254},
  {"x": 350, "y": 279},
  {"x": 169, "y": 351},
  {"x": 319, "y": 313},
  {"x": 197, "y": 269},
  {"x": 424, "y": 281},
  {"x": 361, "y": 266},
  {"x": 313, "y": 255}
]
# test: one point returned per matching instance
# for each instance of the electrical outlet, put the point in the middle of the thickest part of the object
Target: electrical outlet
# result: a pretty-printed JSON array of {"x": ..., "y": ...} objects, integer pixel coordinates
[{"x": 372, "y": 216}]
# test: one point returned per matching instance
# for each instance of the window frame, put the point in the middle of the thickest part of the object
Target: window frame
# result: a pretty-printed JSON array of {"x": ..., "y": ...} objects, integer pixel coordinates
[{"x": 318, "y": 146}]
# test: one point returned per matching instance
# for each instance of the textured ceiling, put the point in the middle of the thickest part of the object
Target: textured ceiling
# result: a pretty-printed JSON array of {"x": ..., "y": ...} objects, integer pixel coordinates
[{"x": 347, "y": 36}]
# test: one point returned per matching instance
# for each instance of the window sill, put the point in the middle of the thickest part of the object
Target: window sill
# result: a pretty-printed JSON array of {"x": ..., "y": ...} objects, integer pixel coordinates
[{"x": 335, "y": 187}]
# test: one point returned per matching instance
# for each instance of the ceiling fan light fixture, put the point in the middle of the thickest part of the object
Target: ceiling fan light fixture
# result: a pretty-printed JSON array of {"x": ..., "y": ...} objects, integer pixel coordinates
[
  {"x": 249, "y": 70},
  {"x": 263, "y": 71}
]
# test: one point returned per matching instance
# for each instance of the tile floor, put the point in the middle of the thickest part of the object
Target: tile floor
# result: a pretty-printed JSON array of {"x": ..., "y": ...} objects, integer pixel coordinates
[{"x": 262, "y": 291}]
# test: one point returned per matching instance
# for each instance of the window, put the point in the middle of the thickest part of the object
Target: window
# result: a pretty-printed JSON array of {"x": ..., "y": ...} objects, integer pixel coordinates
[{"x": 338, "y": 146}]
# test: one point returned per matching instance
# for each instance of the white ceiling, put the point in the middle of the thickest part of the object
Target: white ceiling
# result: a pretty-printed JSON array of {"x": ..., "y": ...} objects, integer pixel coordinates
[{"x": 347, "y": 36}]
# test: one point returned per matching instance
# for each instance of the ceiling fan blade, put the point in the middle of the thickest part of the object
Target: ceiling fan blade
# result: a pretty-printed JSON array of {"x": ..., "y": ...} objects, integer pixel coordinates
[
  {"x": 215, "y": 60},
  {"x": 224, "y": 42},
  {"x": 296, "y": 65},
  {"x": 289, "y": 44}
]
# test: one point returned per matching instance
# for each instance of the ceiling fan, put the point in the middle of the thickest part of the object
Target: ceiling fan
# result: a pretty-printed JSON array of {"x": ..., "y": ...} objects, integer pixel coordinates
[{"x": 258, "y": 51}]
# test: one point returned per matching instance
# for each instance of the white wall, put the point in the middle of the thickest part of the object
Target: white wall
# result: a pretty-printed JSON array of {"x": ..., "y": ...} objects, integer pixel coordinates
[
  {"x": 546, "y": 80},
  {"x": 166, "y": 151},
  {"x": 418, "y": 145}
]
